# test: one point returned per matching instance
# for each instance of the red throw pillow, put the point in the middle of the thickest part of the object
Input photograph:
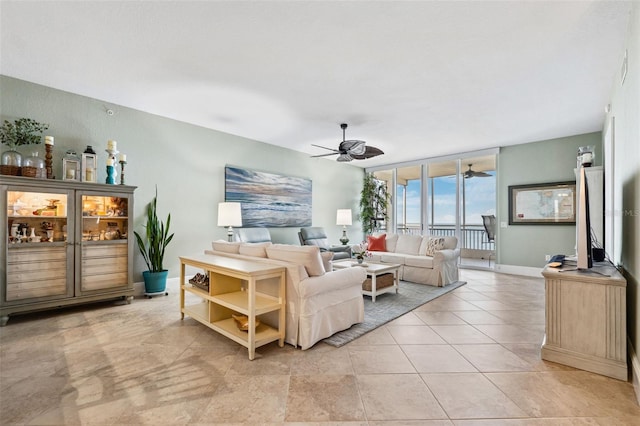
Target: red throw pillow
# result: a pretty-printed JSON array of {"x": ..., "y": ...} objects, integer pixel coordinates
[{"x": 377, "y": 243}]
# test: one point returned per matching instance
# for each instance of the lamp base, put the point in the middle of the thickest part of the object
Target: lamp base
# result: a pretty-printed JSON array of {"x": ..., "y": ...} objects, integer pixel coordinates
[
  {"x": 230, "y": 234},
  {"x": 344, "y": 239}
]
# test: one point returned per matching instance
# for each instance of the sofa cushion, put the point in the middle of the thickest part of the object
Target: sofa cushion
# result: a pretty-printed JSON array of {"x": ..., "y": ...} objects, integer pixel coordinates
[
  {"x": 387, "y": 257},
  {"x": 433, "y": 244},
  {"x": 408, "y": 244},
  {"x": 308, "y": 256},
  {"x": 419, "y": 261},
  {"x": 377, "y": 242},
  {"x": 226, "y": 246},
  {"x": 391, "y": 241},
  {"x": 254, "y": 249}
]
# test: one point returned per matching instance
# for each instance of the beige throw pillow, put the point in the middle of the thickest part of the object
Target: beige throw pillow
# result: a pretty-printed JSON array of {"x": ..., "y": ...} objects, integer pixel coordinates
[
  {"x": 327, "y": 257},
  {"x": 434, "y": 244},
  {"x": 308, "y": 256}
]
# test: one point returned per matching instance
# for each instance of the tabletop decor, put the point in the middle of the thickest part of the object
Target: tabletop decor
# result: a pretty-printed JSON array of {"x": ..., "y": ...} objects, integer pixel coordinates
[
  {"x": 360, "y": 251},
  {"x": 89, "y": 165},
  {"x": 112, "y": 151},
  {"x": 71, "y": 166},
  {"x": 123, "y": 161},
  {"x": 48, "y": 157},
  {"x": 23, "y": 131}
]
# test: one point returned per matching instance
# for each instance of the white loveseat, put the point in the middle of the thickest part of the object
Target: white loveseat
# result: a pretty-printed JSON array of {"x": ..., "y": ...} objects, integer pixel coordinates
[
  {"x": 318, "y": 303},
  {"x": 425, "y": 259}
]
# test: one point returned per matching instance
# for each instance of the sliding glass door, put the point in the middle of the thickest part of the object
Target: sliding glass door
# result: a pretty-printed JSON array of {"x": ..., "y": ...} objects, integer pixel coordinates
[
  {"x": 447, "y": 197},
  {"x": 408, "y": 204}
]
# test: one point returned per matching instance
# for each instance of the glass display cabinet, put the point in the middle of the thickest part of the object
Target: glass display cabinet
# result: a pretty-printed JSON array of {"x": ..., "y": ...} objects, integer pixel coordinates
[{"x": 66, "y": 243}]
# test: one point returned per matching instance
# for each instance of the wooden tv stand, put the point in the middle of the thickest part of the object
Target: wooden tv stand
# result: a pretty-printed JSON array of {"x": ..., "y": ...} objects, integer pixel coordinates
[
  {"x": 585, "y": 325},
  {"x": 235, "y": 286}
]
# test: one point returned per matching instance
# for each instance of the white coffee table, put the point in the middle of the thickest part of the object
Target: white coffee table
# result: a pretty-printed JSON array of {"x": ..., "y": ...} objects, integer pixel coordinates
[{"x": 374, "y": 270}]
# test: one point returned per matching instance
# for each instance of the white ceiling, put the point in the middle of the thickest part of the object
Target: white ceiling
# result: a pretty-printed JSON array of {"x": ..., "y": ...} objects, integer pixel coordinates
[{"x": 415, "y": 79}]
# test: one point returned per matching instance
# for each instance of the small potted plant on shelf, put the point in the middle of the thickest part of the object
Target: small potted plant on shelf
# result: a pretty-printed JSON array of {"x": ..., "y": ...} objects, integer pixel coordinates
[
  {"x": 23, "y": 131},
  {"x": 157, "y": 237}
]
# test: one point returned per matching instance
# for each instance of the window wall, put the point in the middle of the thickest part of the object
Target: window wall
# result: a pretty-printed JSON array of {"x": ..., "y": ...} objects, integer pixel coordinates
[{"x": 448, "y": 197}]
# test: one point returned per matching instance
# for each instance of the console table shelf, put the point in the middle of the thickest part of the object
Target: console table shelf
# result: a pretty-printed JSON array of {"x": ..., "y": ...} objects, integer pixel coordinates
[
  {"x": 237, "y": 286},
  {"x": 585, "y": 324}
]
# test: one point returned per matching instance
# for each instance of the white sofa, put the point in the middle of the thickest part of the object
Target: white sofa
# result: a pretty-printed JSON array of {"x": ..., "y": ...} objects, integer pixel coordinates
[
  {"x": 318, "y": 303},
  {"x": 429, "y": 260}
]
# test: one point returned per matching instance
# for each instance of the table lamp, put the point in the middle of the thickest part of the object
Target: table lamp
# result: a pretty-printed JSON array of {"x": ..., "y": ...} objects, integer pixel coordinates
[
  {"x": 229, "y": 215},
  {"x": 343, "y": 217}
]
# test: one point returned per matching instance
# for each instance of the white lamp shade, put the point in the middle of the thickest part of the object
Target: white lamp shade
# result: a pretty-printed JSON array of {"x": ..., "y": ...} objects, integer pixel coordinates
[
  {"x": 343, "y": 217},
  {"x": 229, "y": 214}
]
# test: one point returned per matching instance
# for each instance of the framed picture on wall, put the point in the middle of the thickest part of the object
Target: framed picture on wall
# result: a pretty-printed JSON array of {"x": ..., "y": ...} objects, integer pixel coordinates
[
  {"x": 268, "y": 199},
  {"x": 543, "y": 204}
]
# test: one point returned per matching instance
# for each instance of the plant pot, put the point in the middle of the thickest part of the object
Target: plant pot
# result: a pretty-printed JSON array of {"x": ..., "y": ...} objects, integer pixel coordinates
[{"x": 155, "y": 282}]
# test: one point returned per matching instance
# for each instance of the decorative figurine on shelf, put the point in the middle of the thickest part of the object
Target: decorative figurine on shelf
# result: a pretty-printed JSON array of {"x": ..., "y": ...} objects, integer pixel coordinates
[
  {"x": 111, "y": 172},
  {"x": 123, "y": 161},
  {"x": 48, "y": 157},
  {"x": 112, "y": 150}
]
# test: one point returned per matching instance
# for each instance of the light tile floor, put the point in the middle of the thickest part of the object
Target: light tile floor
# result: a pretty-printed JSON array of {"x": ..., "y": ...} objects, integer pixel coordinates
[{"x": 471, "y": 357}]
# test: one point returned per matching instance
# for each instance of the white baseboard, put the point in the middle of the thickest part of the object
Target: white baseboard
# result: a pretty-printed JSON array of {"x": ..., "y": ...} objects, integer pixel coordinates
[
  {"x": 635, "y": 370},
  {"x": 526, "y": 271}
]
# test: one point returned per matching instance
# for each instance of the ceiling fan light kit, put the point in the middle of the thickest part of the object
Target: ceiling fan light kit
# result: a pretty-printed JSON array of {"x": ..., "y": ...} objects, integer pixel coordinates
[{"x": 352, "y": 149}]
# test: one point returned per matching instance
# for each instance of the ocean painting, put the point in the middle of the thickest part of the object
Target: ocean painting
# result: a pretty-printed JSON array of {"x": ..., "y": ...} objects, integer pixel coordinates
[{"x": 269, "y": 200}]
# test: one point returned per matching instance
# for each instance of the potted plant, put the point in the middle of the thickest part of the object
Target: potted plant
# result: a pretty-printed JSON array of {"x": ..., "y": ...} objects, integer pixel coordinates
[
  {"x": 374, "y": 200},
  {"x": 23, "y": 131},
  {"x": 157, "y": 237}
]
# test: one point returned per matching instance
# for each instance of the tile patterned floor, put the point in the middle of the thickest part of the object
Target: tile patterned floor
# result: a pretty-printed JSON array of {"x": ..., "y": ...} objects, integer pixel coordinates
[{"x": 471, "y": 357}]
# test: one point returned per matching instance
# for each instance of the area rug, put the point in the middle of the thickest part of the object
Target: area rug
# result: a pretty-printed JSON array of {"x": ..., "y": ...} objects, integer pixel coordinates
[{"x": 390, "y": 306}]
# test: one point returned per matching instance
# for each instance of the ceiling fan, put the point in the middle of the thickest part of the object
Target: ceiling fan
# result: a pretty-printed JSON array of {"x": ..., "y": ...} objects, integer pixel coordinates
[
  {"x": 472, "y": 173},
  {"x": 352, "y": 149}
]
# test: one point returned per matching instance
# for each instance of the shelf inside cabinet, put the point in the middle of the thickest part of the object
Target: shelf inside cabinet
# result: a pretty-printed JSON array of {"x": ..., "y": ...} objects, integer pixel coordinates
[{"x": 106, "y": 217}]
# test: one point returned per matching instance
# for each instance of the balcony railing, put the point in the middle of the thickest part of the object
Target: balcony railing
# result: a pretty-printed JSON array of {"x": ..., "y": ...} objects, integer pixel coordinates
[{"x": 473, "y": 236}]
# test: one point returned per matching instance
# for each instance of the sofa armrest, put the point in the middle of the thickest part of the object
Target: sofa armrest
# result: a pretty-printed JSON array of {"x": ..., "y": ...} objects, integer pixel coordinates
[
  {"x": 342, "y": 278},
  {"x": 446, "y": 255}
]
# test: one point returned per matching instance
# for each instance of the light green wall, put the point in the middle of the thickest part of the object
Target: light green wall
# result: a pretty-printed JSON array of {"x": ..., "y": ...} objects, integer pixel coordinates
[
  {"x": 186, "y": 162},
  {"x": 625, "y": 107},
  {"x": 537, "y": 162}
]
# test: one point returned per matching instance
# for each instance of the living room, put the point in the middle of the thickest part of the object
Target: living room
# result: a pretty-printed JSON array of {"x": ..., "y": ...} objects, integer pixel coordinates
[{"x": 186, "y": 163}]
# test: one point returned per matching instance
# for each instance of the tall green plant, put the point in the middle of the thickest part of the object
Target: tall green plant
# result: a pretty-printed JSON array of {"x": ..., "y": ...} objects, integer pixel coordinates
[
  {"x": 157, "y": 236},
  {"x": 374, "y": 200}
]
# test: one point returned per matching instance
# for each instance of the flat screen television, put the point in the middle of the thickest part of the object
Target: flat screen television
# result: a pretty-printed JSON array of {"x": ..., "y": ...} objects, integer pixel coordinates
[{"x": 583, "y": 243}]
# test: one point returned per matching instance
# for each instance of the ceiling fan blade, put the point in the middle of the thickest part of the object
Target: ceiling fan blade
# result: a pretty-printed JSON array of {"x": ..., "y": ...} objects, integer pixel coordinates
[
  {"x": 325, "y": 155},
  {"x": 343, "y": 158},
  {"x": 324, "y": 147},
  {"x": 370, "y": 152},
  {"x": 481, "y": 174}
]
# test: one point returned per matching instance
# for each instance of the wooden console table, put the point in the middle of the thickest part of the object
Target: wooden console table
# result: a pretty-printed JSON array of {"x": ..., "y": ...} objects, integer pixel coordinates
[
  {"x": 585, "y": 325},
  {"x": 235, "y": 286}
]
